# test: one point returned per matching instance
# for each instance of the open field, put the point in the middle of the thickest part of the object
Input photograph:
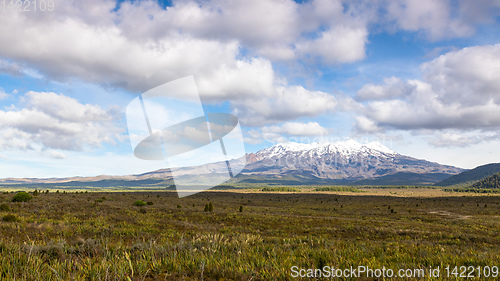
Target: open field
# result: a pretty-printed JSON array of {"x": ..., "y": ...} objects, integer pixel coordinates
[{"x": 104, "y": 236}]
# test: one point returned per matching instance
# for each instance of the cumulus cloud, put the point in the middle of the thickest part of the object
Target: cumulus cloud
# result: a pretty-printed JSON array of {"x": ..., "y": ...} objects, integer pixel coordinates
[
  {"x": 54, "y": 121},
  {"x": 10, "y": 68},
  {"x": 441, "y": 19},
  {"x": 366, "y": 125},
  {"x": 468, "y": 76},
  {"x": 432, "y": 17},
  {"x": 337, "y": 45},
  {"x": 287, "y": 103},
  {"x": 393, "y": 87},
  {"x": 285, "y": 131},
  {"x": 455, "y": 138},
  {"x": 142, "y": 45},
  {"x": 460, "y": 91},
  {"x": 297, "y": 129}
]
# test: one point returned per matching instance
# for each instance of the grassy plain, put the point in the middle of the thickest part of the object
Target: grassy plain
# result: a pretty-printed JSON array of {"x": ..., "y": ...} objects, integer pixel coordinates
[{"x": 104, "y": 236}]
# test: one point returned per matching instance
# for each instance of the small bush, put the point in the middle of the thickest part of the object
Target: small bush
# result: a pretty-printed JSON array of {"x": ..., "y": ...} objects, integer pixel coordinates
[
  {"x": 142, "y": 210},
  {"x": 4, "y": 208},
  {"x": 241, "y": 209},
  {"x": 98, "y": 200},
  {"x": 21, "y": 197},
  {"x": 210, "y": 207},
  {"x": 9, "y": 218},
  {"x": 149, "y": 203},
  {"x": 139, "y": 203},
  {"x": 179, "y": 206}
]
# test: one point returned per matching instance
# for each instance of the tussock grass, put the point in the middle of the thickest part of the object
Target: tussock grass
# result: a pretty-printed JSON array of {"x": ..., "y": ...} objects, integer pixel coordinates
[{"x": 70, "y": 237}]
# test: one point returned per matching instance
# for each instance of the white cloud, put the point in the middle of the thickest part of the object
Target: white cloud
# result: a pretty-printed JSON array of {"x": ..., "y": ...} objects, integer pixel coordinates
[
  {"x": 10, "y": 67},
  {"x": 366, "y": 125},
  {"x": 468, "y": 76},
  {"x": 54, "y": 121},
  {"x": 297, "y": 129},
  {"x": 141, "y": 45},
  {"x": 340, "y": 44},
  {"x": 432, "y": 17},
  {"x": 241, "y": 80},
  {"x": 3, "y": 94},
  {"x": 460, "y": 91},
  {"x": 453, "y": 139},
  {"x": 287, "y": 103},
  {"x": 393, "y": 87},
  {"x": 56, "y": 154},
  {"x": 440, "y": 19},
  {"x": 288, "y": 131}
]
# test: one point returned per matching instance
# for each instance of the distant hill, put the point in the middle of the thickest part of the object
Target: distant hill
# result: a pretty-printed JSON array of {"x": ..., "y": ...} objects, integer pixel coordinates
[
  {"x": 491, "y": 182},
  {"x": 471, "y": 176}
]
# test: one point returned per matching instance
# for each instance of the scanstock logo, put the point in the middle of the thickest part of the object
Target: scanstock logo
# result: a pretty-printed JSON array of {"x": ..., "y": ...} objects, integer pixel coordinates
[{"x": 202, "y": 149}]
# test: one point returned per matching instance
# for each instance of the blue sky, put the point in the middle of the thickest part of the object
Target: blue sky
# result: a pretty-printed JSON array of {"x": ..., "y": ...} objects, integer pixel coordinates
[{"x": 421, "y": 77}]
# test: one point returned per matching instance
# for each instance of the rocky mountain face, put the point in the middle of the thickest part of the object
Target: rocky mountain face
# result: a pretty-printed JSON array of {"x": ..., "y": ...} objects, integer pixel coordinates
[{"x": 342, "y": 160}]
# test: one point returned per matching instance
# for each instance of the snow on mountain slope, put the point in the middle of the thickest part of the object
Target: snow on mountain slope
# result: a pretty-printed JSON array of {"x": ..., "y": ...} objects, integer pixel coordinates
[
  {"x": 343, "y": 148},
  {"x": 349, "y": 160}
]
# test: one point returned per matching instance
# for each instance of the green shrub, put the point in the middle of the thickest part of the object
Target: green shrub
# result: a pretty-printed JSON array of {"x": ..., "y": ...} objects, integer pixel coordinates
[
  {"x": 210, "y": 207},
  {"x": 9, "y": 218},
  {"x": 338, "y": 188},
  {"x": 99, "y": 200},
  {"x": 149, "y": 203},
  {"x": 4, "y": 208},
  {"x": 241, "y": 209},
  {"x": 139, "y": 203},
  {"x": 21, "y": 197},
  {"x": 280, "y": 189}
]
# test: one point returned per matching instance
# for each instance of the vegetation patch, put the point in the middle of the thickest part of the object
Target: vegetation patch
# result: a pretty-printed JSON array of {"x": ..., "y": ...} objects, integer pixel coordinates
[
  {"x": 472, "y": 190},
  {"x": 9, "y": 218},
  {"x": 22, "y": 197},
  {"x": 4, "y": 208},
  {"x": 67, "y": 237},
  {"x": 280, "y": 189},
  {"x": 140, "y": 203},
  {"x": 338, "y": 188}
]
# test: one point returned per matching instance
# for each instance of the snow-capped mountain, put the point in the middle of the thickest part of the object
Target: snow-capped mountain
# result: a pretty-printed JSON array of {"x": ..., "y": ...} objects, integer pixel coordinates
[
  {"x": 346, "y": 149},
  {"x": 344, "y": 161}
]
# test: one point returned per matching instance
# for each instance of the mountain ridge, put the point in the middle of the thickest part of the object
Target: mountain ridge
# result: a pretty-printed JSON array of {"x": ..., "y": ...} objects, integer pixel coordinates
[
  {"x": 344, "y": 162},
  {"x": 471, "y": 176}
]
